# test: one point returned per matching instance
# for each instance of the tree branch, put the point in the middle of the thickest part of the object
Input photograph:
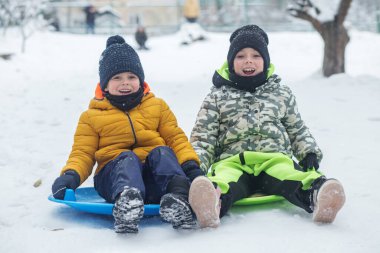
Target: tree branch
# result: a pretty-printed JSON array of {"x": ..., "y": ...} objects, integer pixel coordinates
[
  {"x": 343, "y": 8},
  {"x": 306, "y": 16}
]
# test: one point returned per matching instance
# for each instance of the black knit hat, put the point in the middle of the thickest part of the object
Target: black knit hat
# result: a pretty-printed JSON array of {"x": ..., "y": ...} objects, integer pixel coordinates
[
  {"x": 118, "y": 57},
  {"x": 250, "y": 36}
]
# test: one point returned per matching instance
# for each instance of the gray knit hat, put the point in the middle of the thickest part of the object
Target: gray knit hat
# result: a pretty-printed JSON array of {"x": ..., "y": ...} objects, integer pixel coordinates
[
  {"x": 118, "y": 57},
  {"x": 250, "y": 36}
]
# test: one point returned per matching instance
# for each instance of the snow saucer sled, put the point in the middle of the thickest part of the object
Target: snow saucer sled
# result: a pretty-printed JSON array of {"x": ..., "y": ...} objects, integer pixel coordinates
[
  {"x": 86, "y": 199},
  {"x": 258, "y": 198}
]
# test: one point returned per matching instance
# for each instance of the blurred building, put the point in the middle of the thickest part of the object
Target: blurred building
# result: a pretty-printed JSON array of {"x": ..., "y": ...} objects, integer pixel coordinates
[
  {"x": 166, "y": 16},
  {"x": 119, "y": 16}
]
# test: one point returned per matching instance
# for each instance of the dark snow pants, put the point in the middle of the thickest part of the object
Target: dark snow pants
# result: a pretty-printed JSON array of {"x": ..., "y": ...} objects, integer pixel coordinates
[
  {"x": 250, "y": 172},
  {"x": 160, "y": 174}
]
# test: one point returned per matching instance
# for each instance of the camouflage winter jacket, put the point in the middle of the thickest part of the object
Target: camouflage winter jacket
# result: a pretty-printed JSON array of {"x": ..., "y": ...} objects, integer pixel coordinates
[{"x": 231, "y": 121}]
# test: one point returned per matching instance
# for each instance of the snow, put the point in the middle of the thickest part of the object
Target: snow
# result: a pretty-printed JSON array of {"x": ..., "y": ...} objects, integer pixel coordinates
[{"x": 44, "y": 91}]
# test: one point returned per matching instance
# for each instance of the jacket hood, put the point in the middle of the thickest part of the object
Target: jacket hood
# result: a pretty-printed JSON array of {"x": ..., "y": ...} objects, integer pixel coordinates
[{"x": 222, "y": 75}]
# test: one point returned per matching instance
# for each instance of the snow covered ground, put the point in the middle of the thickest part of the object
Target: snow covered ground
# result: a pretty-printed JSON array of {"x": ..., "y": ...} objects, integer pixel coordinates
[{"x": 44, "y": 91}]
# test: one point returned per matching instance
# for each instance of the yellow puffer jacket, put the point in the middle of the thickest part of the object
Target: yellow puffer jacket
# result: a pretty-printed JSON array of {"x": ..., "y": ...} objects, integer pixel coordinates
[
  {"x": 103, "y": 132},
  {"x": 191, "y": 9}
]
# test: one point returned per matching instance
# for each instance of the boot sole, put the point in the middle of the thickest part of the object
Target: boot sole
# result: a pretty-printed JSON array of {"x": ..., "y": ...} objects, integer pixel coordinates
[
  {"x": 330, "y": 200},
  {"x": 204, "y": 202},
  {"x": 128, "y": 213},
  {"x": 178, "y": 213}
]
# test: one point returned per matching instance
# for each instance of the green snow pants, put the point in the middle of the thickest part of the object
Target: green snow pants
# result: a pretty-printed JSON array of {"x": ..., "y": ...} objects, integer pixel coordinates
[{"x": 269, "y": 173}]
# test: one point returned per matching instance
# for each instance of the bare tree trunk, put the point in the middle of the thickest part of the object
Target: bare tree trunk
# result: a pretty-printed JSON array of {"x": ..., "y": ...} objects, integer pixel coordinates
[
  {"x": 336, "y": 39},
  {"x": 23, "y": 39}
]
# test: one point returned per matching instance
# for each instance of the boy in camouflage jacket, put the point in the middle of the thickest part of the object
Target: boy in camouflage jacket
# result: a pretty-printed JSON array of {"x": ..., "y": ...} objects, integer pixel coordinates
[{"x": 247, "y": 130}]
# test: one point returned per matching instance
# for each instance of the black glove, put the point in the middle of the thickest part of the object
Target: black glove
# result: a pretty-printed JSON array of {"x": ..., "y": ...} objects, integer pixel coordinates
[
  {"x": 192, "y": 169},
  {"x": 69, "y": 180},
  {"x": 310, "y": 161}
]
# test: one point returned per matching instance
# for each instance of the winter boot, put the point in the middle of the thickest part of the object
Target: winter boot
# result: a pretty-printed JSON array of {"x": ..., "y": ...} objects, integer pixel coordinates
[
  {"x": 128, "y": 210},
  {"x": 327, "y": 201},
  {"x": 205, "y": 201},
  {"x": 175, "y": 209}
]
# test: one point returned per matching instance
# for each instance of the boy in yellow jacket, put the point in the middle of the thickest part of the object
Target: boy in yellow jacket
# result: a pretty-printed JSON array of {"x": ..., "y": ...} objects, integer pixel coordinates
[{"x": 142, "y": 155}]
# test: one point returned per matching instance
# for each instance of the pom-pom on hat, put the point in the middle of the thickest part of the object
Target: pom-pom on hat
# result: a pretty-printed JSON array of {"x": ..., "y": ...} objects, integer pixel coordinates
[
  {"x": 250, "y": 36},
  {"x": 118, "y": 57}
]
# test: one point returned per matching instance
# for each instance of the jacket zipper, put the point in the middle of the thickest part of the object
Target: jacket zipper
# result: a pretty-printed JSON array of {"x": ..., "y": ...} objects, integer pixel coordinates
[{"x": 133, "y": 130}]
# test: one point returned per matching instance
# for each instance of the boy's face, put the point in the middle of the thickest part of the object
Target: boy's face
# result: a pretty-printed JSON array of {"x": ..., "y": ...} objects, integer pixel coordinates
[
  {"x": 124, "y": 83},
  {"x": 248, "y": 62}
]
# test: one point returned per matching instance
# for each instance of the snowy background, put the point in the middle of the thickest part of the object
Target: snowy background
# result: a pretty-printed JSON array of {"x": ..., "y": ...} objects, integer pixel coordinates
[{"x": 44, "y": 91}]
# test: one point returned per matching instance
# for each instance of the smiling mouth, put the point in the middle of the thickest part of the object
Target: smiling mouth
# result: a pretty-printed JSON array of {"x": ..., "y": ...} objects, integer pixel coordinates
[
  {"x": 249, "y": 71},
  {"x": 125, "y": 91}
]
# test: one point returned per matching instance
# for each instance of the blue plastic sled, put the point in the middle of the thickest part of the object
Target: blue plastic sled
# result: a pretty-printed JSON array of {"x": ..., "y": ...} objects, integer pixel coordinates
[{"x": 86, "y": 199}]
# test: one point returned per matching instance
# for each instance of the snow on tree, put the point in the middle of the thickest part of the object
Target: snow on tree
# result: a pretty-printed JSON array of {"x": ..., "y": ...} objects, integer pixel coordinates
[
  {"x": 333, "y": 32},
  {"x": 26, "y": 15}
]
